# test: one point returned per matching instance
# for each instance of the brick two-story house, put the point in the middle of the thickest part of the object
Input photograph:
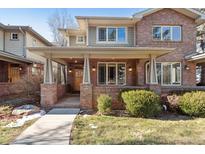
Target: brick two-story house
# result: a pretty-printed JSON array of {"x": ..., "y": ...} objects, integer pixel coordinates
[
  {"x": 152, "y": 49},
  {"x": 15, "y": 60}
]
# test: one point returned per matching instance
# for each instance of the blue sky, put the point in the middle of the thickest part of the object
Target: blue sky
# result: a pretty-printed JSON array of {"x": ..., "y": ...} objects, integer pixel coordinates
[{"x": 37, "y": 18}]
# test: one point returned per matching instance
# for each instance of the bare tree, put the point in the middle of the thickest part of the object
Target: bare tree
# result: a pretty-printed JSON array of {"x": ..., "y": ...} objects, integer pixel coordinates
[{"x": 60, "y": 19}]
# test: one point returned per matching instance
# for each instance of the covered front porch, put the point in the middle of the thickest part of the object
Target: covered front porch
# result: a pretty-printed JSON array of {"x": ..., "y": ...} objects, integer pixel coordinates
[{"x": 94, "y": 71}]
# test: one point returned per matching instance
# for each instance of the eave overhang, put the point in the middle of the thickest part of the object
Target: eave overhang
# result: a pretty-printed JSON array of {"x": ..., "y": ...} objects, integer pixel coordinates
[
  {"x": 196, "y": 57},
  {"x": 100, "y": 52},
  {"x": 5, "y": 56}
]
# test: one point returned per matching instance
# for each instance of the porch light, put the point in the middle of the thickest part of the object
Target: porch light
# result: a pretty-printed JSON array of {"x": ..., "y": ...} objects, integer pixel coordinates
[
  {"x": 130, "y": 69},
  {"x": 20, "y": 68},
  {"x": 186, "y": 67},
  {"x": 76, "y": 61},
  {"x": 34, "y": 65},
  {"x": 70, "y": 70},
  {"x": 93, "y": 69}
]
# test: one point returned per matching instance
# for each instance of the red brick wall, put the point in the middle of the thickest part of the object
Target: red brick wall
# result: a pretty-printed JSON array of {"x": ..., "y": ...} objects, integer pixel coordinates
[
  {"x": 170, "y": 17},
  {"x": 61, "y": 90}
]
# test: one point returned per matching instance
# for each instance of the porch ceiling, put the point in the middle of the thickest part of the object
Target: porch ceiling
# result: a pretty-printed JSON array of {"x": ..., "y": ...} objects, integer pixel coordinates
[
  {"x": 99, "y": 52},
  {"x": 196, "y": 57}
]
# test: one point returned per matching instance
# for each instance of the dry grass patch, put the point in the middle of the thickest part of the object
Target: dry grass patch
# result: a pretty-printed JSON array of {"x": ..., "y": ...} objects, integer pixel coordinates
[{"x": 95, "y": 129}]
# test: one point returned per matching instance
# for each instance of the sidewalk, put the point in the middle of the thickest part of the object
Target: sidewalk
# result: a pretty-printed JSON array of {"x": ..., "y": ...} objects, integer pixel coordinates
[{"x": 53, "y": 128}]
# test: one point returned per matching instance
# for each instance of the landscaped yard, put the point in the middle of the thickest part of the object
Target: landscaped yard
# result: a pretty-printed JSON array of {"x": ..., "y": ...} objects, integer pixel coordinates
[
  {"x": 95, "y": 129},
  {"x": 7, "y": 135}
]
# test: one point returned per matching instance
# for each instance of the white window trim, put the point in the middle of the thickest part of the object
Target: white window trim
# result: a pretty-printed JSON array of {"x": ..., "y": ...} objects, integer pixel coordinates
[
  {"x": 77, "y": 42},
  {"x": 171, "y": 31},
  {"x": 112, "y": 42},
  {"x": 106, "y": 75},
  {"x": 163, "y": 63},
  {"x": 11, "y": 36}
]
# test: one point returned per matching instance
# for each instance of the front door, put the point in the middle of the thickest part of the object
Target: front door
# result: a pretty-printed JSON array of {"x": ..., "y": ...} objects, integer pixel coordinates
[{"x": 78, "y": 78}]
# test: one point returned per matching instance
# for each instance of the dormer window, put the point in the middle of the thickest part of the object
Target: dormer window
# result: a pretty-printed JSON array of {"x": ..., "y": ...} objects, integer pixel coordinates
[
  {"x": 14, "y": 36},
  {"x": 111, "y": 34},
  {"x": 80, "y": 39}
]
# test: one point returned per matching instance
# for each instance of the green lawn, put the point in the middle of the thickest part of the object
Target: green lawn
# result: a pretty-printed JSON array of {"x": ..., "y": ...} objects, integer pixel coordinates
[{"x": 128, "y": 130}]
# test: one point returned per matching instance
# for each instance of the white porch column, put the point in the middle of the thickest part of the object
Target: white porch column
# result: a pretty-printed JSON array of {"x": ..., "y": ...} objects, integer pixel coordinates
[
  {"x": 63, "y": 74},
  {"x": 153, "y": 70},
  {"x": 86, "y": 70},
  {"x": 48, "y": 75}
]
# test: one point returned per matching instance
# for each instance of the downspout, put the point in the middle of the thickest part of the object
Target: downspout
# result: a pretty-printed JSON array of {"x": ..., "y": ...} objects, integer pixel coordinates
[
  {"x": 4, "y": 43},
  {"x": 24, "y": 42},
  {"x": 24, "y": 55}
]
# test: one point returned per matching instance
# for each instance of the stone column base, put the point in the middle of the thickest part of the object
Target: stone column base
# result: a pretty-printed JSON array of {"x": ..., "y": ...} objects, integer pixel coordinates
[{"x": 86, "y": 96}]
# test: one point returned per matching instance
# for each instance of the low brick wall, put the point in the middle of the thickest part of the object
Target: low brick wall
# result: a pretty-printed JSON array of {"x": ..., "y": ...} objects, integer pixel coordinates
[
  {"x": 9, "y": 89},
  {"x": 114, "y": 92},
  {"x": 61, "y": 90}
]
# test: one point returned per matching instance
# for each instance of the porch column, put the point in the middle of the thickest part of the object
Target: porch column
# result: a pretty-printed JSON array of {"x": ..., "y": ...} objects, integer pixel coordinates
[
  {"x": 49, "y": 88},
  {"x": 86, "y": 88},
  {"x": 86, "y": 70},
  {"x": 153, "y": 70},
  {"x": 48, "y": 75},
  {"x": 154, "y": 86},
  {"x": 63, "y": 74}
]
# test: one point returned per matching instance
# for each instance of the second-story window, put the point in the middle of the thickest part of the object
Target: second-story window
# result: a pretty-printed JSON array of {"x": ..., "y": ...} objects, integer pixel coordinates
[
  {"x": 80, "y": 39},
  {"x": 14, "y": 36},
  {"x": 112, "y": 34},
  {"x": 166, "y": 33}
]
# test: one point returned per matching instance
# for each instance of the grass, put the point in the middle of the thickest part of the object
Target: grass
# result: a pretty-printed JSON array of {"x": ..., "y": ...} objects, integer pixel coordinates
[
  {"x": 128, "y": 130},
  {"x": 7, "y": 135}
]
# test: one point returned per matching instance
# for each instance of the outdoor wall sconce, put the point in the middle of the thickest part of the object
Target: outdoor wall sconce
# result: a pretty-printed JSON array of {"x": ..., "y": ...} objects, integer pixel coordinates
[
  {"x": 70, "y": 70},
  {"x": 34, "y": 65},
  {"x": 93, "y": 69},
  {"x": 186, "y": 67},
  {"x": 76, "y": 61},
  {"x": 20, "y": 68},
  {"x": 130, "y": 69}
]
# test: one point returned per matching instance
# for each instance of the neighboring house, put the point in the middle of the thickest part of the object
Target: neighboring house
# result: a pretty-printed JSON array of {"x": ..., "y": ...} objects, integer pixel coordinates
[
  {"x": 154, "y": 49},
  {"x": 15, "y": 60}
]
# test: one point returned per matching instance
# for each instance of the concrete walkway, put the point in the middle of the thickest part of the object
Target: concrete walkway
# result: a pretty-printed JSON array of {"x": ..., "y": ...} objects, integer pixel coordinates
[{"x": 53, "y": 128}]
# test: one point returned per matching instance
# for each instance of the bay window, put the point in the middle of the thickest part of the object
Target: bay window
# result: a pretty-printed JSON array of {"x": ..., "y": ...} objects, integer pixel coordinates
[
  {"x": 168, "y": 73},
  {"x": 110, "y": 73},
  {"x": 166, "y": 33},
  {"x": 112, "y": 34}
]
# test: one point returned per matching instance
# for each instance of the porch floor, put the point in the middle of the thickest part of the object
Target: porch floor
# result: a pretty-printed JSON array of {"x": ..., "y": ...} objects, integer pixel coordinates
[{"x": 69, "y": 101}]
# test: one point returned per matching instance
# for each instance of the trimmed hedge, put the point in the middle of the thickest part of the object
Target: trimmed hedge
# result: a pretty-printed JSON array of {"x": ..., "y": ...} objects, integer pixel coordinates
[
  {"x": 193, "y": 103},
  {"x": 142, "y": 103},
  {"x": 104, "y": 104}
]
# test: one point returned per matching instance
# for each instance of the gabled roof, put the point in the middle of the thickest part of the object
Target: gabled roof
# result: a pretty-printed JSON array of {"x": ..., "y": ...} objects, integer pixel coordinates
[
  {"x": 192, "y": 13},
  {"x": 28, "y": 29}
]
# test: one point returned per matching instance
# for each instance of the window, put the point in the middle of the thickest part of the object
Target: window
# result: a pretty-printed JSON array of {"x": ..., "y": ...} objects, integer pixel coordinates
[
  {"x": 102, "y": 34},
  {"x": 102, "y": 73},
  {"x": 80, "y": 39},
  {"x": 112, "y": 34},
  {"x": 167, "y": 33},
  {"x": 14, "y": 36},
  {"x": 111, "y": 73},
  {"x": 167, "y": 73}
]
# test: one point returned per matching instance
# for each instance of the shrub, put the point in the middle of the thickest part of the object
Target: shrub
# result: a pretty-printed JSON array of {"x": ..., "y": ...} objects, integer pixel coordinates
[
  {"x": 193, "y": 103},
  {"x": 142, "y": 103},
  {"x": 104, "y": 104}
]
